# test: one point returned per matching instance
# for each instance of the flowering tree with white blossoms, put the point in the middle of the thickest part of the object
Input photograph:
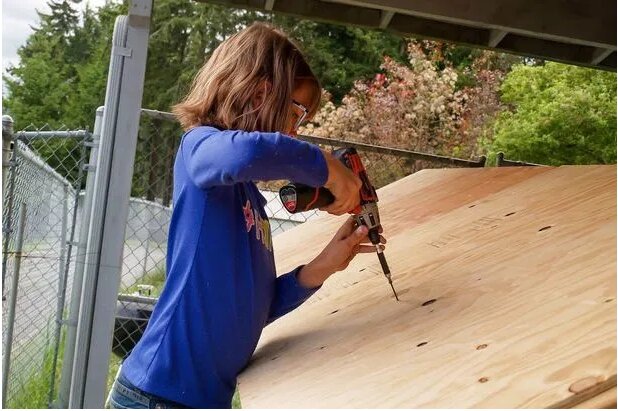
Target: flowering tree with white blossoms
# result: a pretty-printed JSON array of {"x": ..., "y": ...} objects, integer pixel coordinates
[{"x": 421, "y": 106}]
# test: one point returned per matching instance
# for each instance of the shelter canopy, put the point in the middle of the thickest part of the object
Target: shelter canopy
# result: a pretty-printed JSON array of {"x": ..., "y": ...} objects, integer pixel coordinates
[{"x": 580, "y": 32}]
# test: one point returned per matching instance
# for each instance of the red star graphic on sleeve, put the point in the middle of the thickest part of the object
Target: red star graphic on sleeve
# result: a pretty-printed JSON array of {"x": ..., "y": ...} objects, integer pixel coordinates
[{"x": 248, "y": 212}]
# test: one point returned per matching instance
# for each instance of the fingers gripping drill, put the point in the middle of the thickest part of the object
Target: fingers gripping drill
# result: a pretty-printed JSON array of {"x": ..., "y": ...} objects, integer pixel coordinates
[{"x": 299, "y": 197}]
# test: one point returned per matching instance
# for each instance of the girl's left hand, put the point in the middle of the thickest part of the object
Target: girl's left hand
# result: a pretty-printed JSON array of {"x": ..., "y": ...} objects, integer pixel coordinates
[{"x": 337, "y": 255}]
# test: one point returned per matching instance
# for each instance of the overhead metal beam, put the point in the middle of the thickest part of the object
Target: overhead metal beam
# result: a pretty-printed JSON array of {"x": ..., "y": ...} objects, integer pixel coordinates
[
  {"x": 610, "y": 62},
  {"x": 387, "y": 16},
  {"x": 599, "y": 55},
  {"x": 562, "y": 30},
  {"x": 584, "y": 22},
  {"x": 546, "y": 49},
  {"x": 495, "y": 37},
  {"x": 406, "y": 24}
]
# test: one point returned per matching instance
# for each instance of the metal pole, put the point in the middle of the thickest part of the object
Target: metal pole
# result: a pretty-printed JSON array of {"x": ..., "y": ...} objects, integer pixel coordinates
[
  {"x": 42, "y": 135},
  {"x": 86, "y": 309},
  {"x": 7, "y": 229},
  {"x": 8, "y": 344},
  {"x": 61, "y": 291},
  {"x": 414, "y": 155},
  {"x": 80, "y": 259},
  {"x": 110, "y": 206},
  {"x": 7, "y": 140},
  {"x": 148, "y": 223}
]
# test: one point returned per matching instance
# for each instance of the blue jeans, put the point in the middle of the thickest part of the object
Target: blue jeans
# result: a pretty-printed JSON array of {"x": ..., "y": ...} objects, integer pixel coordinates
[{"x": 126, "y": 395}]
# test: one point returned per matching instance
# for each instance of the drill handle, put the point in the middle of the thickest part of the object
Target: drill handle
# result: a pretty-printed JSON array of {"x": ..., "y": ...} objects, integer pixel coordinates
[{"x": 297, "y": 197}]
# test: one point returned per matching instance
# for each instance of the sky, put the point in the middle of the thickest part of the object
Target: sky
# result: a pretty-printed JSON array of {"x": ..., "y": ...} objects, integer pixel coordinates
[{"x": 17, "y": 17}]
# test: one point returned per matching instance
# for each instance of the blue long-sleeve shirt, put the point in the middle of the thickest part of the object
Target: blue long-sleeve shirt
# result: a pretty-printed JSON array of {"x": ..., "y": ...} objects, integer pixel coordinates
[{"x": 221, "y": 288}]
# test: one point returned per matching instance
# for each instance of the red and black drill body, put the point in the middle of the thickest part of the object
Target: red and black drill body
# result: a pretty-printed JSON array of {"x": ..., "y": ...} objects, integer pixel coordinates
[{"x": 299, "y": 197}]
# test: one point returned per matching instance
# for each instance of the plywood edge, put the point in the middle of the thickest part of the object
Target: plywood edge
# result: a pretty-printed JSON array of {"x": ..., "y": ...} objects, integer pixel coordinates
[
  {"x": 606, "y": 399},
  {"x": 601, "y": 395}
]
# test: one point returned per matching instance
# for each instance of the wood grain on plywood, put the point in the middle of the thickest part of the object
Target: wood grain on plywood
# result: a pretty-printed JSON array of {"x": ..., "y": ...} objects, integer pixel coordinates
[
  {"x": 605, "y": 399},
  {"x": 403, "y": 204},
  {"x": 504, "y": 304},
  {"x": 590, "y": 392}
]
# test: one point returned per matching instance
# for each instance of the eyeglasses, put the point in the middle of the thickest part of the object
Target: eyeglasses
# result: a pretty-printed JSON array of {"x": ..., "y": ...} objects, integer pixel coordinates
[{"x": 301, "y": 118}]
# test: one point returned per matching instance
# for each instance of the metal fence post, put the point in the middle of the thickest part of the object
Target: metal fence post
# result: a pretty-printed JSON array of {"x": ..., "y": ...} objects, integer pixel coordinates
[
  {"x": 7, "y": 143},
  {"x": 149, "y": 217},
  {"x": 62, "y": 278},
  {"x": 7, "y": 229},
  {"x": 7, "y": 139},
  {"x": 86, "y": 308},
  {"x": 8, "y": 344},
  {"x": 80, "y": 259},
  {"x": 110, "y": 206}
]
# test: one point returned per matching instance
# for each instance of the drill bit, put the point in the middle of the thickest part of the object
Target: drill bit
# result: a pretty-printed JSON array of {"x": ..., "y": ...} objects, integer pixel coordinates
[{"x": 385, "y": 269}]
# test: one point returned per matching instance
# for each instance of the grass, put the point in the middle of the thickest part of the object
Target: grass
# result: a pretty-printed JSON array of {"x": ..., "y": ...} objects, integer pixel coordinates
[
  {"x": 155, "y": 278},
  {"x": 34, "y": 391},
  {"x": 236, "y": 400}
]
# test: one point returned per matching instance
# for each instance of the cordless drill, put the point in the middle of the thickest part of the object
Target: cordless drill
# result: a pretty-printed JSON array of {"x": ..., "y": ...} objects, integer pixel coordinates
[{"x": 299, "y": 197}]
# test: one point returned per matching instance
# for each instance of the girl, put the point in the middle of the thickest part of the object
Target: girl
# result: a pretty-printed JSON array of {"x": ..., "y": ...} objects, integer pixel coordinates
[{"x": 221, "y": 289}]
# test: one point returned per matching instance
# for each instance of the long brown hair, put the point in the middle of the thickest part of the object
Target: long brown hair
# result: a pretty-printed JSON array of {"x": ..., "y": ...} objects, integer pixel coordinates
[{"x": 260, "y": 56}]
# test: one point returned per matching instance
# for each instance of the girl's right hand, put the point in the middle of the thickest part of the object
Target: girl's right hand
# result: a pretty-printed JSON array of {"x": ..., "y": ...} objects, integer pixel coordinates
[{"x": 344, "y": 185}]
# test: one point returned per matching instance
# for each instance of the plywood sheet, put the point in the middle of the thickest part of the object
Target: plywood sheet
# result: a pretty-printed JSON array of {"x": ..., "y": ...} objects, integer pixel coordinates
[{"x": 507, "y": 278}]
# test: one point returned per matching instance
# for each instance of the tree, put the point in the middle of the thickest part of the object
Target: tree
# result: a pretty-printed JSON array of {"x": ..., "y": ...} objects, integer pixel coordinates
[
  {"x": 420, "y": 105},
  {"x": 341, "y": 55},
  {"x": 95, "y": 43},
  {"x": 559, "y": 114},
  {"x": 39, "y": 86}
]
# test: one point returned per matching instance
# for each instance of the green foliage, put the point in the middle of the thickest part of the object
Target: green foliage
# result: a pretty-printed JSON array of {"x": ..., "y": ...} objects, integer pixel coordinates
[
  {"x": 559, "y": 114},
  {"x": 52, "y": 83},
  {"x": 340, "y": 55},
  {"x": 236, "y": 400},
  {"x": 114, "y": 365},
  {"x": 62, "y": 73},
  {"x": 34, "y": 391},
  {"x": 156, "y": 278}
]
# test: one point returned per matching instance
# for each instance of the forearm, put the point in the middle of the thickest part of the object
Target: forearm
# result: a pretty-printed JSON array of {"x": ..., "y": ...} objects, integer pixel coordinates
[
  {"x": 289, "y": 294},
  {"x": 314, "y": 274},
  {"x": 232, "y": 156}
]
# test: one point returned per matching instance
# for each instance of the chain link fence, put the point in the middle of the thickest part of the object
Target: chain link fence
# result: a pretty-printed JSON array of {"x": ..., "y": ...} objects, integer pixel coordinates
[
  {"x": 43, "y": 180},
  {"x": 143, "y": 273}
]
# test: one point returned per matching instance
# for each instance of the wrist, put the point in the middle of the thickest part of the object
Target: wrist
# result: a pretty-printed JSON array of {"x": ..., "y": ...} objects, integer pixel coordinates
[
  {"x": 329, "y": 168},
  {"x": 313, "y": 274}
]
